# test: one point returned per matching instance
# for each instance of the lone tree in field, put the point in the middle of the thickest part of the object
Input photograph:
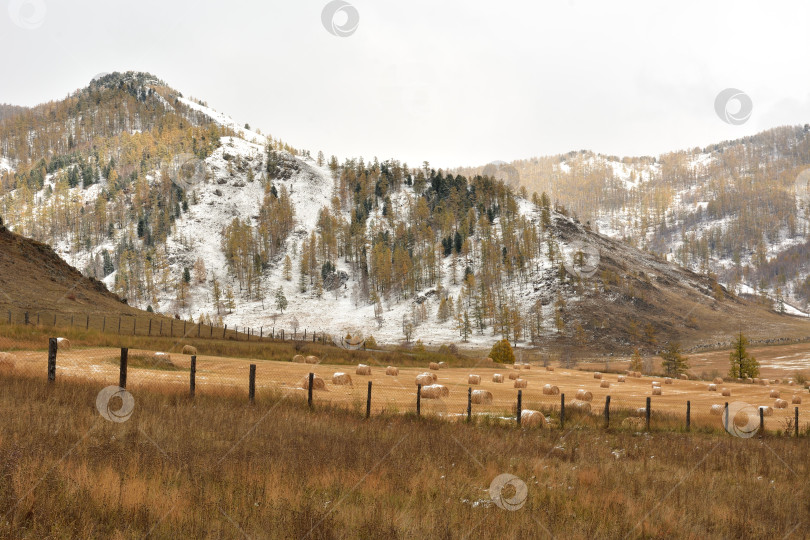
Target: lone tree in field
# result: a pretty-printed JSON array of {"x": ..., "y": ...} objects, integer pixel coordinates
[
  {"x": 673, "y": 362},
  {"x": 635, "y": 361},
  {"x": 502, "y": 352},
  {"x": 281, "y": 300},
  {"x": 743, "y": 365}
]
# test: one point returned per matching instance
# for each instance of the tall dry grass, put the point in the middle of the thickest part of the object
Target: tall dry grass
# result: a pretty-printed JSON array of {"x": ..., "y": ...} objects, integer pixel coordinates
[{"x": 217, "y": 467}]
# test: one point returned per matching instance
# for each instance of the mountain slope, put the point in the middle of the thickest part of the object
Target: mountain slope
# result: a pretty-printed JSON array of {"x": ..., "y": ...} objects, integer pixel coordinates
[
  {"x": 34, "y": 278},
  {"x": 175, "y": 206}
]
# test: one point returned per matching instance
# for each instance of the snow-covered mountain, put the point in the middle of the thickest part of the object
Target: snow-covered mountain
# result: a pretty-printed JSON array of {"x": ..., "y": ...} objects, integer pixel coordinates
[{"x": 171, "y": 204}]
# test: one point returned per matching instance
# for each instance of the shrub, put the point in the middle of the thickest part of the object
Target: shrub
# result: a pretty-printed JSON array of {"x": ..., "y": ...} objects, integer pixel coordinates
[{"x": 502, "y": 352}]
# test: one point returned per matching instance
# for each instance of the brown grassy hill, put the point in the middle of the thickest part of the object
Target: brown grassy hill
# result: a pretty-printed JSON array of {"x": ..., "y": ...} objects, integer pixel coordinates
[
  {"x": 33, "y": 277},
  {"x": 636, "y": 299}
]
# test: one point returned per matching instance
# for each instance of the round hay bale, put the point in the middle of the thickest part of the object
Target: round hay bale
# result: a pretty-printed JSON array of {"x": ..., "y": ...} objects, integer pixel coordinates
[
  {"x": 655, "y": 383},
  {"x": 796, "y": 400},
  {"x": 580, "y": 406},
  {"x": 426, "y": 378},
  {"x": 667, "y": 381},
  {"x": 521, "y": 383},
  {"x": 622, "y": 378},
  {"x": 717, "y": 410},
  {"x": 474, "y": 379},
  {"x": 311, "y": 360},
  {"x": 641, "y": 411},
  {"x": 597, "y": 375},
  {"x": 7, "y": 363},
  {"x": 434, "y": 366},
  {"x": 684, "y": 377},
  {"x": 718, "y": 380},
  {"x": 766, "y": 410},
  {"x": 317, "y": 383},
  {"x": 481, "y": 397},
  {"x": 638, "y": 375},
  {"x": 749, "y": 380},
  {"x": 162, "y": 358},
  {"x": 63, "y": 343},
  {"x": 391, "y": 370},
  {"x": 551, "y": 390},
  {"x": 513, "y": 376},
  {"x": 634, "y": 423},
  {"x": 775, "y": 393},
  {"x": 497, "y": 377},
  {"x": 549, "y": 368},
  {"x": 726, "y": 392},
  {"x": 442, "y": 365},
  {"x": 774, "y": 381},
  {"x": 340, "y": 379},
  {"x": 489, "y": 360},
  {"x": 763, "y": 382},
  {"x": 363, "y": 369},
  {"x": 435, "y": 391},
  {"x": 584, "y": 395},
  {"x": 299, "y": 358},
  {"x": 712, "y": 387},
  {"x": 530, "y": 418},
  {"x": 188, "y": 349},
  {"x": 604, "y": 384},
  {"x": 527, "y": 366},
  {"x": 780, "y": 404},
  {"x": 791, "y": 382},
  {"x": 656, "y": 391}
]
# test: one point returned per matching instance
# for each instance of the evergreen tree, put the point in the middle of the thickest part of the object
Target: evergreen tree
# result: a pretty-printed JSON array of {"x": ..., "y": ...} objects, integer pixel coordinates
[
  {"x": 287, "y": 268},
  {"x": 673, "y": 362},
  {"x": 743, "y": 365},
  {"x": 281, "y": 300}
]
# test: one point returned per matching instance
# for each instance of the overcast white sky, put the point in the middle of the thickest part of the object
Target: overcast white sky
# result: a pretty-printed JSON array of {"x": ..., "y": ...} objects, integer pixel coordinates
[{"x": 451, "y": 82}]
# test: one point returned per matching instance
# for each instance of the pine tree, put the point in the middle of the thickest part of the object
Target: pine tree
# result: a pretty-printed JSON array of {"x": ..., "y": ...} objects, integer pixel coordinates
[
  {"x": 281, "y": 300},
  {"x": 287, "y": 268},
  {"x": 230, "y": 302},
  {"x": 635, "y": 361},
  {"x": 673, "y": 362},
  {"x": 466, "y": 329},
  {"x": 216, "y": 291},
  {"x": 743, "y": 365}
]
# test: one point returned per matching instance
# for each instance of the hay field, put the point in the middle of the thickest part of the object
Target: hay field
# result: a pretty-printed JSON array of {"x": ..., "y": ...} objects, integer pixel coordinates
[{"x": 397, "y": 394}]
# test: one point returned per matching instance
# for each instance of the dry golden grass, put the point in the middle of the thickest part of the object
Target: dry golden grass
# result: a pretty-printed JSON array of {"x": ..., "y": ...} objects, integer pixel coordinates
[{"x": 219, "y": 468}]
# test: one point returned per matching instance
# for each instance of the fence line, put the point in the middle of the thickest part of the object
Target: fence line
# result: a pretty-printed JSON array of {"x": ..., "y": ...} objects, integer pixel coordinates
[
  {"x": 159, "y": 326},
  {"x": 613, "y": 415}
]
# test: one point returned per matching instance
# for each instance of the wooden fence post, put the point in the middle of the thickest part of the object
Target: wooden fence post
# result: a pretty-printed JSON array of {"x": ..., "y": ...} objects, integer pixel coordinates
[
  {"x": 761, "y": 420},
  {"x": 119, "y": 325},
  {"x": 796, "y": 421},
  {"x": 368, "y": 401},
  {"x": 252, "y": 389},
  {"x": 607, "y": 412},
  {"x": 469, "y": 403},
  {"x": 562, "y": 411},
  {"x": 647, "y": 412},
  {"x": 418, "y": 400},
  {"x": 224, "y": 331},
  {"x": 688, "y": 415},
  {"x": 150, "y": 327},
  {"x": 519, "y": 406},
  {"x": 309, "y": 389},
  {"x": 87, "y": 324},
  {"x": 104, "y": 325},
  {"x": 192, "y": 383},
  {"x": 122, "y": 375},
  {"x": 52, "y": 348},
  {"x": 26, "y": 318}
]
